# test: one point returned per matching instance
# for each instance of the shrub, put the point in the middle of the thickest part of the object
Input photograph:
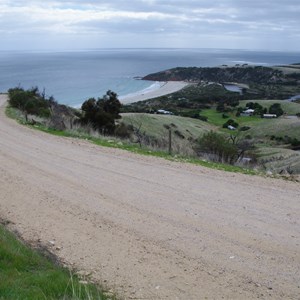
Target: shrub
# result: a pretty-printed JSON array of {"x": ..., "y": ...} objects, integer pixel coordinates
[
  {"x": 29, "y": 101},
  {"x": 245, "y": 128},
  {"x": 123, "y": 131},
  {"x": 294, "y": 142},
  {"x": 102, "y": 113},
  {"x": 230, "y": 122},
  {"x": 276, "y": 109},
  {"x": 218, "y": 147},
  {"x": 203, "y": 118}
]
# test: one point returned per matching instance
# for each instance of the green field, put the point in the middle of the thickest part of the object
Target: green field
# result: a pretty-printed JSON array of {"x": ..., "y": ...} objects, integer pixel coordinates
[
  {"x": 259, "y": 127},
  {"x": 26, "y": 274},
  {"x": 157, "y": 125},
  {"x": 290, "y": 108},
  {"x": 216, "y": 118}
]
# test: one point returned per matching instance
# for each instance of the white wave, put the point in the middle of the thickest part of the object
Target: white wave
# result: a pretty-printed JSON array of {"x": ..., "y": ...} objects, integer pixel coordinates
[
  {"x": 153, "y": 87},
  {"x": 244, "y": 62}
]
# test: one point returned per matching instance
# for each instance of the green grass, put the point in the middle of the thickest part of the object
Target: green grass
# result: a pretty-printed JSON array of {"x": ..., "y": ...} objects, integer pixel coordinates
[
  {"x": 26, "y": 274},
  {"x": 259, "y": 127},
  {"x": 216, "y": 118},
  {"x": 14, "y": 114},
  {"x": 291, "y": 108},
  {"x": 278, "y": 127}
]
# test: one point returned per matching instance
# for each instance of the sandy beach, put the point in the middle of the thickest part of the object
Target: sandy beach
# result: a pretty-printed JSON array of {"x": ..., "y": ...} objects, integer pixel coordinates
[{"x": 166, "y": 88}]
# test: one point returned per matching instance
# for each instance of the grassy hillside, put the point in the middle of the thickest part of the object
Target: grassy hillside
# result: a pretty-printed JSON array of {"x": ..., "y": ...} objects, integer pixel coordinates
[
  {"x": 278, "y": 159},
  {"x": 273, "y": 154},
  {"x": 216, "y": 118},
  {"x": 278, "y": 127},
  {"x": 157, "y": 125}
]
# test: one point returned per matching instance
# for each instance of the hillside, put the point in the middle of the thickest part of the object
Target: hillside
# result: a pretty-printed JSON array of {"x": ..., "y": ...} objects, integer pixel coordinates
[
  {"x": 257, "y": 82},
  {"x": 239, "y": 74},
  {"x": 156, "y": 125}
]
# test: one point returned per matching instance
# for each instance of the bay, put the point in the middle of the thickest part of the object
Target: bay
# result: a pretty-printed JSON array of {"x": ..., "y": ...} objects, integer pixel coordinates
[{"x": 74, "y": 76}]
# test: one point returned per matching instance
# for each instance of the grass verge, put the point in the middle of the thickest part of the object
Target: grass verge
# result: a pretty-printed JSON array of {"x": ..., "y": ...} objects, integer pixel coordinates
[{"x": 27, "y": 274}]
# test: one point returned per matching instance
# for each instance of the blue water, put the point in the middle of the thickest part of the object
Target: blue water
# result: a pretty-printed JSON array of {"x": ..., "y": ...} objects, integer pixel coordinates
[{"x": 72, "y": 77}]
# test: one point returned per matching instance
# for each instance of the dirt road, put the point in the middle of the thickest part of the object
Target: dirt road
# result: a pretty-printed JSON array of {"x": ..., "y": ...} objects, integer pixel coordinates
[{"x": 149, "y": 228}]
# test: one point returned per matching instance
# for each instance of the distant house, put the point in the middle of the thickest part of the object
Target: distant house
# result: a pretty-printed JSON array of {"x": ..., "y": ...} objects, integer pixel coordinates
[
  {"x": 247, "y": 113},
  {"x": 269, "y": 116},
  {"x": 164, "y": 112}
]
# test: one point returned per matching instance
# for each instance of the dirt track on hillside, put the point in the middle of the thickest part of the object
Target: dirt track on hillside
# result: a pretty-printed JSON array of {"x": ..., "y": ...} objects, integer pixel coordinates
[{"x": 149, "y": 228}]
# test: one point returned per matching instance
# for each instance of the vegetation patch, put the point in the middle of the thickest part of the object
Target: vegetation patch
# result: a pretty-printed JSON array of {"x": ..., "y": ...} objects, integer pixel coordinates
[
  {"x": 27, "y": 274},
  {"x": 168, "y": 135}
]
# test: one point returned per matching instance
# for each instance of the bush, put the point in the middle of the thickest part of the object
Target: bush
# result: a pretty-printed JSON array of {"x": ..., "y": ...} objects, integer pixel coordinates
[
  {"x": 295, "y": 142},
  {"x": 230, "y": 122},
  {"x": 276, "y": 109},
  {"x": 102, "y": 113},
  {"x": 218, "y": 147},
  {"x": 123, "y": 131},
  {"x": 203, "y": 118},
  {"x": 29, "y": 101},
  {"x": 245, "y": 128}
]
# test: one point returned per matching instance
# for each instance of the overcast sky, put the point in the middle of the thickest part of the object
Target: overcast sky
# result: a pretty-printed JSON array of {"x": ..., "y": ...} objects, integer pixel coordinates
[{"x": 74, "y": 24}]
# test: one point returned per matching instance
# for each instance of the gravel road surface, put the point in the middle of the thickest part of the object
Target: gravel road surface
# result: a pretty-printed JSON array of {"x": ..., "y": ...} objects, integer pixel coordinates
[{"x": 149, "y": 228}]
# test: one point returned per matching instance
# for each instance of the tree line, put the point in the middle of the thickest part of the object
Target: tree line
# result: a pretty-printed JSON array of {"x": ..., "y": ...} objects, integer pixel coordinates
[{"x": 100, "y": 113}]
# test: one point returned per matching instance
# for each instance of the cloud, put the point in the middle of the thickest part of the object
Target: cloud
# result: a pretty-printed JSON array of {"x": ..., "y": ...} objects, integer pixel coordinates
[{"x": 159, "y": 21}]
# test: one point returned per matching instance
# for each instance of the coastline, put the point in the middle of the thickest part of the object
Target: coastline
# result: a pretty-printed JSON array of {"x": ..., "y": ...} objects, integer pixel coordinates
[{"x": 166, "y": 88}]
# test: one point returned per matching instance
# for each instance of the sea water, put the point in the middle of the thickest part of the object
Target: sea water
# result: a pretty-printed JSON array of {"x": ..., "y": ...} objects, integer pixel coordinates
[{"x": 74, "y": 76}]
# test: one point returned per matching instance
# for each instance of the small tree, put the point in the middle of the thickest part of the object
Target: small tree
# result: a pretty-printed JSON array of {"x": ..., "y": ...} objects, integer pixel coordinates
[
  {"x": 218, "y": 147},
  {"x": 276, "y": 109},
  {"x": 29, "y": 101},
  {"x": 102, "y": 113}
]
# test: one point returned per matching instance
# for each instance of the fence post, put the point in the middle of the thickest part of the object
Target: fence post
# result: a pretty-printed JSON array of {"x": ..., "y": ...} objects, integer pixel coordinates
[{"x": 170, "y": 141}]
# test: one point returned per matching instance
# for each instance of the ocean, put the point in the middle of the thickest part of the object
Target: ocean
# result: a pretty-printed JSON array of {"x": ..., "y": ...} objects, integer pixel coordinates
[{"x": 71, "y": 77}]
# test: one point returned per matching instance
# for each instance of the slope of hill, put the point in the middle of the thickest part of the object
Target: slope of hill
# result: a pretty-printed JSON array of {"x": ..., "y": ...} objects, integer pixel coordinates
[
  {"x": 245, "y": 74},
  {"x": 158, "y": 125}
]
